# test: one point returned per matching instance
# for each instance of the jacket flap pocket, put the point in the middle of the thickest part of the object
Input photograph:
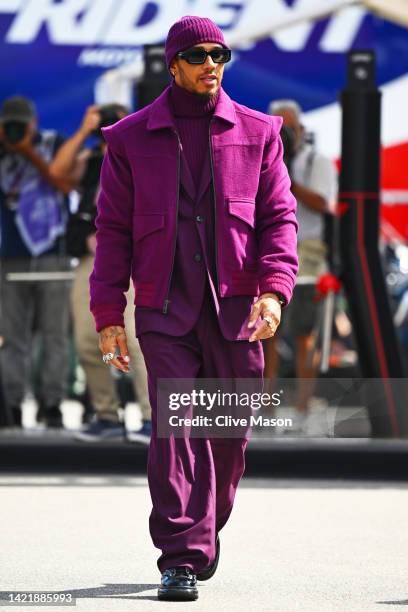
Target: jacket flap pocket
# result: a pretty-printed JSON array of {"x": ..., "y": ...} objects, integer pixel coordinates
[
  {"x": 243, "y": 208},
  {"x": 146, "y": 224}
]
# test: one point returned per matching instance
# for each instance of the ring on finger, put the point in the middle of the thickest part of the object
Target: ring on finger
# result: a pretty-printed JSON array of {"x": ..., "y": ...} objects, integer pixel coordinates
[
  {"x": 269, "y": 321},
  {"x": 107, "y": 357}
]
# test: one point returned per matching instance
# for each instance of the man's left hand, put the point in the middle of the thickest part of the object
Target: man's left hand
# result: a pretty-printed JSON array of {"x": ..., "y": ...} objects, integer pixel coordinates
[{"x": 267, "y": 305}]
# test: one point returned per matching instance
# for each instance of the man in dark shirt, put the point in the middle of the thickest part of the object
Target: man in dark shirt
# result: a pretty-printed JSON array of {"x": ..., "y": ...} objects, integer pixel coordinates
[{"x": 32, "y": 225}]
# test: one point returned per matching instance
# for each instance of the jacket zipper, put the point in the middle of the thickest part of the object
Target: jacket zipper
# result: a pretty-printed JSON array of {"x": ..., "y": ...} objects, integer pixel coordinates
[
  {"x": 215, "y": 207},
  {"x": 167, "y": 301}
]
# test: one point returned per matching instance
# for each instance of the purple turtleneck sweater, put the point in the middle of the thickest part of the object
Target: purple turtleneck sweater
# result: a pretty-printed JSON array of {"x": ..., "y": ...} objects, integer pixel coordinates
[{"x": 192, "y": 115}]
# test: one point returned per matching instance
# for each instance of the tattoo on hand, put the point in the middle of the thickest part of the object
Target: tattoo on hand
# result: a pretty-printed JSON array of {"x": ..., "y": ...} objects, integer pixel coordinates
[{"x": 112, "y": 332}]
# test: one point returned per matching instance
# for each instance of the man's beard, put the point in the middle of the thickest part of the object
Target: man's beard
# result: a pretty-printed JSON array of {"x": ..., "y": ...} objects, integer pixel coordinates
[{"x": 206, "y": 95}]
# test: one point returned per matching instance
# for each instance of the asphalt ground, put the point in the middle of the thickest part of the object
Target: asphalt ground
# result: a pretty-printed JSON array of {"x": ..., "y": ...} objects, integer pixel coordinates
[
  {"x": 319, "y": 524},
  {"x": 290, "y": 544}
]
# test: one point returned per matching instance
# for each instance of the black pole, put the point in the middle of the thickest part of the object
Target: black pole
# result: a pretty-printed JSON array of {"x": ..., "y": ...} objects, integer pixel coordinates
[
  {"x": 155, "y": 78},
  {"x": 362, "y": 273}
]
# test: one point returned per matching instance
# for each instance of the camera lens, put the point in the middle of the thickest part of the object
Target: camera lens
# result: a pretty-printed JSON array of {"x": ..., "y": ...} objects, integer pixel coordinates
[{"x": 14, "y": 131}]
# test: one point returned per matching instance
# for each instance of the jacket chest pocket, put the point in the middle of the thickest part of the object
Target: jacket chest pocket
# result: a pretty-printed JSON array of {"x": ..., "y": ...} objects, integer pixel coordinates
[
  {"x": 243, "y": 209},
  {"x": 243, "y": 160},
  {"x": 155, "y": 188}
]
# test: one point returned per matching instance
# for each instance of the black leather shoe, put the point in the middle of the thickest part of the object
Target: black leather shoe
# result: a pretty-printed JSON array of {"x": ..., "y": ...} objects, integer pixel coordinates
[
  {"x": 178, "y": 584},
  {"x": 17, "y": 416},
  {"x": 52, "y": 417},
  {"x": 210, "y": 571}
]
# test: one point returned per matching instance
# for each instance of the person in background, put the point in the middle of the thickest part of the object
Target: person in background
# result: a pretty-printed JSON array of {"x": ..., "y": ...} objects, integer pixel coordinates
[
  {"x": 33, "y": 214},
  {"x": 83, "y": 166},
  {"x": 314, "y": 185}
]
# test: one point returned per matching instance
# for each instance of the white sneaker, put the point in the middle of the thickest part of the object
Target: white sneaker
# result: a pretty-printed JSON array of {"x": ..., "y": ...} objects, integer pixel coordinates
[
  {"x": 297, "y": 418},
  {"x": 316, "y": 425}
]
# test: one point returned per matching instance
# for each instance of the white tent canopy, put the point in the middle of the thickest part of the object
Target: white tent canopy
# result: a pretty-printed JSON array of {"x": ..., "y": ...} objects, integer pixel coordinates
[{"x": 393, "y": 10}]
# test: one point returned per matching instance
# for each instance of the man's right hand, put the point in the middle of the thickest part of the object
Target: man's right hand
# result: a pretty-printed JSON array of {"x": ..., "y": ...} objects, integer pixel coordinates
[
  {"x": 112, "y": 338},
  {"x": 91, "y": 120}
]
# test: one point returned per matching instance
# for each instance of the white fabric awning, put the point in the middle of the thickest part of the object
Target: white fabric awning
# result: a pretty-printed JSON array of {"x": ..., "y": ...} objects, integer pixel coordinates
[{"x": 393, "y": 10}]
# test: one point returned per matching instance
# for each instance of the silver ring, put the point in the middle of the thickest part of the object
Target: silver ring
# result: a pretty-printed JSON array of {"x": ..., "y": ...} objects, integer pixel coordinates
[
  {"x": 268, "y": 320},
  {"x": 107, "y": 357}
]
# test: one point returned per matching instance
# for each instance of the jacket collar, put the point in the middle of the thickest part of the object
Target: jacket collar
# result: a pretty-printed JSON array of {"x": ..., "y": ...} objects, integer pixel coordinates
[
  {"x": 225, "y": 108},
  {"x": 160, "y": 115}
]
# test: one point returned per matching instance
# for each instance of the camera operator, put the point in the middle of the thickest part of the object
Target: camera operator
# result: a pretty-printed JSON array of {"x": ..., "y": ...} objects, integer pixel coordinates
[
  {"x": 314, "y": 184},
  {"x": 83, "y": 166},
  {"x": 32, "y": 224}
]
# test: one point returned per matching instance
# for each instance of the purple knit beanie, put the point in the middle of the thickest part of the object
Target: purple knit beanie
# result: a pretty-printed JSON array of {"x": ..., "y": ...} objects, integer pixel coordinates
[{"x": 189, "y": 31}]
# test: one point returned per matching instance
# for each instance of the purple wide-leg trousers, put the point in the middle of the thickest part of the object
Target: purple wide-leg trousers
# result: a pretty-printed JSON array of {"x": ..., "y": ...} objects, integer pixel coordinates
[{"x": 193, "y": 481}]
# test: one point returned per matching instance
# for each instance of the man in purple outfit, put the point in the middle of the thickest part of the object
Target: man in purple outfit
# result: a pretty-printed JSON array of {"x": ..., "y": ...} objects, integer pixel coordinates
[{"x": 196, "y": 207}]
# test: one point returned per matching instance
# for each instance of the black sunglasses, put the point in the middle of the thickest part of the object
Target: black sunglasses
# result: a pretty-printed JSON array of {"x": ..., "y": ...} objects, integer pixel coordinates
[{"x": 198, "y": 55}]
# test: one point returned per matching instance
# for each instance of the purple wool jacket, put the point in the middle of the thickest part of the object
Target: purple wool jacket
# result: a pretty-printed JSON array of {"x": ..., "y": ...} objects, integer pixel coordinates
[{"x": 138, "y": 208}]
